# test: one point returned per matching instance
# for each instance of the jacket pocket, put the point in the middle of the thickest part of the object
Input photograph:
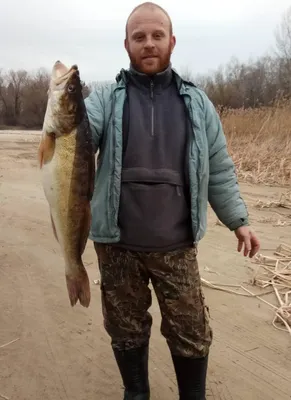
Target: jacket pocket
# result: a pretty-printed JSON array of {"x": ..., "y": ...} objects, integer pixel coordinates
[{"x": 154, "y": 214}]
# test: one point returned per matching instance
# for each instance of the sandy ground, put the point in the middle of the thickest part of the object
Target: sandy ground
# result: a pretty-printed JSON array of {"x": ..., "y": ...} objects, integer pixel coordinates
[{"x": 64, "y": 353}]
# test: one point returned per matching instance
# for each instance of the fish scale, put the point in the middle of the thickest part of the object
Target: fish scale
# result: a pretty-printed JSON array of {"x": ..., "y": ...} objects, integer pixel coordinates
[{"x": 67, "y": 163}]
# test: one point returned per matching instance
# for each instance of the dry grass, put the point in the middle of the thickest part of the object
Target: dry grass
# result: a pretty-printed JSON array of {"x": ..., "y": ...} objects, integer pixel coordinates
[{"x": 259, "y": 140}]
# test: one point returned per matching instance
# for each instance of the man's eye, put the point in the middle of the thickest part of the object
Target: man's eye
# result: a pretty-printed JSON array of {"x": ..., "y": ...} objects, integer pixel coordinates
[{"x": 158, "y": 35}]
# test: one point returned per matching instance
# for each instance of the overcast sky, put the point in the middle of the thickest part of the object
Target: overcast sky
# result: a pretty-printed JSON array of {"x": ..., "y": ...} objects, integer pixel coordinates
[{"x": 36, "y": 33}]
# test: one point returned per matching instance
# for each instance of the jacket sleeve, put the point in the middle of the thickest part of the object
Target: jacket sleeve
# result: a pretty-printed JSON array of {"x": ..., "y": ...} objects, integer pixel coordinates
[
  {"x": 95, "y": 110},
  {"x": 223, "y": 190}
]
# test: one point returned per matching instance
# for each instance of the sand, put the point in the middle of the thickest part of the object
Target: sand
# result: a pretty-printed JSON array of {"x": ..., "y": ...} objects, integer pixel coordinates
[{"x": 64, "y": 352}]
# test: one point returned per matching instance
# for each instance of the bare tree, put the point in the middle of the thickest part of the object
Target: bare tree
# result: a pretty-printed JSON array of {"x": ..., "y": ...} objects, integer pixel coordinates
[
  {"x": 187, "y": 74},
  {"x": 283, "y": 42},
  {"x": 283, "y": 35},
  {"x": 16, "y": 82},
  {"x": 3, "y": 100},
  {"x": 34, "y": 96}
]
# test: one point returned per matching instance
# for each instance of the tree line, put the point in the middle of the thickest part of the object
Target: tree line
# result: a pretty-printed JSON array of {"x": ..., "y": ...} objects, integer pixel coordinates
[{"x": 256, "y": 83}]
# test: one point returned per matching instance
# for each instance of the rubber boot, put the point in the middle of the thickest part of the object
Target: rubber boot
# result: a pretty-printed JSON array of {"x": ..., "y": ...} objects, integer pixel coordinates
[
  {"x": 191, "y": 377},
  {"x": 133, "y": 367}
]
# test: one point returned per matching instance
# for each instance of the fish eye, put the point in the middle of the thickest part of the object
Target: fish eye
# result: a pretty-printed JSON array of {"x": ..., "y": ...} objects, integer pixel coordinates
[{"x": 71, "y": 88}]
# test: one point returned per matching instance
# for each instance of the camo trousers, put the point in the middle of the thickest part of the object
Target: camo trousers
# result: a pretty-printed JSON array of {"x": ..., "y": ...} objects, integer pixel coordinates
[{"x": 126, "y": 298}]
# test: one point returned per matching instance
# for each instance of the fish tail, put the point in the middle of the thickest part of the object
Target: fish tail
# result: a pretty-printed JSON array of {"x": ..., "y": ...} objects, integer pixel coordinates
[{"x": 79, "y": 287}]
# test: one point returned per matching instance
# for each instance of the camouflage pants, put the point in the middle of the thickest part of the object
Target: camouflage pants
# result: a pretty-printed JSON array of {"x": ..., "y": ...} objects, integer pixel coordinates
[{"x": 126, "y": 298}]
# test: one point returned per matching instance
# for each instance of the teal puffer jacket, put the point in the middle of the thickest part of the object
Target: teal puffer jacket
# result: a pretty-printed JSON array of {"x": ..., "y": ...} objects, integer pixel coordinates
[{"x": 211, "y": 170}]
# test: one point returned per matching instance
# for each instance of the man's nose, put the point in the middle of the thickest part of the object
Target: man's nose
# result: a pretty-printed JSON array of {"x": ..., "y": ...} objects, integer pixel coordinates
[{"x": 149, "y": 43}]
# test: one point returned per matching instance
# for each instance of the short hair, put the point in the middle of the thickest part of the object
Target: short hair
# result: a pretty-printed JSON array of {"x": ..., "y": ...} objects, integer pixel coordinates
[{"x": 151, "y": 6}]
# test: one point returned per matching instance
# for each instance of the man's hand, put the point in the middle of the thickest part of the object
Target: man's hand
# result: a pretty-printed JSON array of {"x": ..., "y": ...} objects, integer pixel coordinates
[{"x": 247, "y": 239}]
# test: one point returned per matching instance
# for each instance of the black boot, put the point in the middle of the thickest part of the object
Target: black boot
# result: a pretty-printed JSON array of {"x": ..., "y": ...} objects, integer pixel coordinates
[
  {"x": 133, "y": 367},
  {"x": 191, "y": 377}
]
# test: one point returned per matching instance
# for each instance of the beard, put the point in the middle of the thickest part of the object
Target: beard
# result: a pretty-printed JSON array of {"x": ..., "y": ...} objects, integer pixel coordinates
[{"x": 150, "y": 67}]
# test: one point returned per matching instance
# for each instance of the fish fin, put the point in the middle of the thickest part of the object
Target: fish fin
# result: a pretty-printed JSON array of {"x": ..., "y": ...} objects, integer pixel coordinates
[
  {"x": 85, "y": 231},
  {"x": 91, "y": 177},
  {"x": 40, "y": 153},
  {"x": 54, "y": 228},
  {"x": 79, "y": 287},
  {"x": 46, "y": 149}
]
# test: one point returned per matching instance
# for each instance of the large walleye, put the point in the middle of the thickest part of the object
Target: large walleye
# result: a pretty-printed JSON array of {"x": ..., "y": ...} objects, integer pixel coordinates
[{"x": 67, "y": 163}]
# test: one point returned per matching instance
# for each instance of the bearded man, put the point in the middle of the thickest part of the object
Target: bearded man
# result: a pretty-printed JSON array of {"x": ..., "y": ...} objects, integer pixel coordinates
[{"x": 162, "y": 158}]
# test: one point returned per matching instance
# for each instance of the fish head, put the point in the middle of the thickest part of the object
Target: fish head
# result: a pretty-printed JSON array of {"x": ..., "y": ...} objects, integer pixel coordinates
[{"x": 65, "y": 107}]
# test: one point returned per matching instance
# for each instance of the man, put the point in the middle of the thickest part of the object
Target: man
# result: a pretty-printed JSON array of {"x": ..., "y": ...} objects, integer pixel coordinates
[{"x": 162, "y": 157}]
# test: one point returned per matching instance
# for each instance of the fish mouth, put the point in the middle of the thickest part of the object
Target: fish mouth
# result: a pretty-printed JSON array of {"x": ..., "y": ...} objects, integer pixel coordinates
[{"x": 61, "y": 72}]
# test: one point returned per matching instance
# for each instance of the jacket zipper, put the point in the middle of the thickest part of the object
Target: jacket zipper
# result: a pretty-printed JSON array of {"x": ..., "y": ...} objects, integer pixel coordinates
[
  {"x": 197, "y": 172},
  {"x": 111, "y": 199},
  {"x": 153, "y": 110},
  {"x": 197, "y": 175}
]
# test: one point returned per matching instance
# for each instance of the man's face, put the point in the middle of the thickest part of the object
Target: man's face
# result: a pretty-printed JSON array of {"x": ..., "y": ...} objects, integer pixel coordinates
[{"x": 149, "y": 43}]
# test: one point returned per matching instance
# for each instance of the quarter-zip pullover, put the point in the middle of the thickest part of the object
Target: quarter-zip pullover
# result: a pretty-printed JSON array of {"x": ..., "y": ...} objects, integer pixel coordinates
[{"x": 154, "y": 212}]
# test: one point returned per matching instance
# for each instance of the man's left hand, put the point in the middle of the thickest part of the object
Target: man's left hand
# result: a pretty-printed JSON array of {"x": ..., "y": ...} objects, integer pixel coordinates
[{"x": 248, "y": 240}]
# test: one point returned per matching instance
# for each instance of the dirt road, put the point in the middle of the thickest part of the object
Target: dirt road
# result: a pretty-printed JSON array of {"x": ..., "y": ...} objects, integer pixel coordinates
[{"x": 64, "y": 353}]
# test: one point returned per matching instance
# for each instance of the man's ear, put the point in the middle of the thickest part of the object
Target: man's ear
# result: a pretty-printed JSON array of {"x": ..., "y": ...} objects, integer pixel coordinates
[
  {"x": 126, "y": 44},
  {"x": 173, "y": 43}
]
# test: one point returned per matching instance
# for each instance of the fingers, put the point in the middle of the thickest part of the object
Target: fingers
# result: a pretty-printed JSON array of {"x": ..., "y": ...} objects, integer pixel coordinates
[
  {"x": 240, "y": 245},
  {"x": 246, "y": 243},
  {"x": 255, "y": 246},
  {"x": 251, "y": 245},
  {"x": 248, "y": 246}
]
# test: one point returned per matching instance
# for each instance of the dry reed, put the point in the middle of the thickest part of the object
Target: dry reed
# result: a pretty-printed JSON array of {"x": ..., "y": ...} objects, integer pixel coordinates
[
  {"x": 275, "y": 272},
  {"x": 283, "y": 202},
  {"x": 272, "y": 274},
  {"x": 259, "y": 140}
]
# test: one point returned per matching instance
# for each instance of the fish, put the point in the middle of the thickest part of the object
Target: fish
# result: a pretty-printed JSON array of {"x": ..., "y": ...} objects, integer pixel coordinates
[{"x": 66, "y": 161}]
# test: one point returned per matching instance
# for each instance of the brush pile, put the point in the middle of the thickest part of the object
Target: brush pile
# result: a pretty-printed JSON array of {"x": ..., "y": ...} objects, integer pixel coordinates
[
  {"x": 283, "y": 202},
  {"x": 275, "y": 272}
]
